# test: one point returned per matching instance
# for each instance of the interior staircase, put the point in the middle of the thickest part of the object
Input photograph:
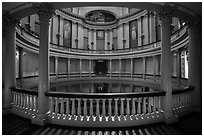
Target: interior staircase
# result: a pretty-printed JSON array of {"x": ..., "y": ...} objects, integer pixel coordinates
[{"x": 15, "y": 125}]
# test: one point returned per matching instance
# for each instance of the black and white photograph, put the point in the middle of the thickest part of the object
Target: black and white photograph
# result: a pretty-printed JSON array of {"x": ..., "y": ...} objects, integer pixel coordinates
[{"x": 101, "y": 68}]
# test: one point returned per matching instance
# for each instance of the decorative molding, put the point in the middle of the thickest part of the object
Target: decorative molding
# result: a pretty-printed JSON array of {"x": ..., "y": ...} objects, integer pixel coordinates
[
  {"x": 166, "y": 14},
  {"x": 44, "y": 10}
]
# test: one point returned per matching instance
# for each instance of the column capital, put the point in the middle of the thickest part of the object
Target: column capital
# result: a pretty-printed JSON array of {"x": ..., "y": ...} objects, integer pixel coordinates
[
  {"x": 165, "y": 14},
  {"x": 8, "y": 20},
  {"x": 194, "y": 24},
  {"x": 44, "y": 10}
]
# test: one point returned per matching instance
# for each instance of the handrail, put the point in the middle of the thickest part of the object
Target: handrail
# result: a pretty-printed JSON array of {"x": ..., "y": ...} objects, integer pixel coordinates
[
  {"x": 25, "y": 91},
  {"x": 105, "y": 95},
  {"x": 184, "y": 90}
]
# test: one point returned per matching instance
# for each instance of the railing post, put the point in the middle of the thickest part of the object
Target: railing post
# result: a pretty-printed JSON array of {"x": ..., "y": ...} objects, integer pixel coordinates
[
  {"x": 128, "y": 108},
  {"x": 67, "y": 108},
  {"x": 73, "y": 109},
  {"x": 85, "y": 110},
  {"x": 91, "y": 110},
  {"x": 79, "y": 109},
  {"x": 133, "y": 108},
  {"x": 149, "y": 106},
  {"x": 144, "y": 109},
  {"x": 51, "y": 105},
  {"x": 109, "y": 110},
  {"x": 116, "y": 110},
  {"x": 104, "y": 110},
  {"x": 139, "y": 107},
  {"x": 97, "y": 110},
  {"x": 56, "y": 107},
  {"x": 62, "y": 107},
  {"x": 122, "y": 109}
]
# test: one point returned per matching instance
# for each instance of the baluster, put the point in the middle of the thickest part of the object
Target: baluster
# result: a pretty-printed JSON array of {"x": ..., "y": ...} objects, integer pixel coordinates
[
  {"x": 186, "y": 101},
  {"x": 56, "y": 107},
  {"x": 154, "y": 105},
  {"x": 51, "y": 105},
  {"x": 122, "y": 109},
  {"x": 176, "y": 102},
  {"x": 133, "y": 108},
  {"x": 116, "y": 110},
  {"x": 97, "y": 110},
  {"x": 85, "y": 109},
  {"x": 181, "y": 102},
  {"x": 109, "y": 110},
  {"x": 19, "y": 100},
  {"x": 79, "y": 109},
  {"x": 73, "y": 108},
  {"x": 128, "y": 108},
  {"x": 91, "y": 110},
  {"x": 144, "y": 107},
  {"x": 31, "y": 103},
  {"x": 14, "y": 99},
  {"x": 159, "y": 104},
  {"x": 139, "y": 106},
  {"x": 16, "y": 102},
  {"x": 35, "y": 104},
  {"x": 62, "y": 107},
  {"x": 104, "y": 110},
  {"x": 21, "y": 96},
  {"x": 28, "y": 103},
  {"x": 67, "y": 108},
  {"x": 25, "y": 102},
  {"x": 149, "y": 105}
]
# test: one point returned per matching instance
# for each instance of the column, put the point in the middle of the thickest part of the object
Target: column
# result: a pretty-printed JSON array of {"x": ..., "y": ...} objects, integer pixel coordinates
[
  {"x": 56, "y": 66},
  {"x": 68, "y": 67},
  {"x": 195, "y": 63},
  {"x": 111, "y": 39},
  {"x": 131, "y": 67},
  {"x": 80, "y": 66},
  {"x": 154, "y": 67},
  {"x": 110, "y": 68},
  {"x": 178, "y": 67},
  {"x": 9, "y": 56},
  {"x": 89, "y": 39},
  {"x": 94, "y": 39},
  {"x": 152, "y": 28},
  {"x": 43, "y": 86},
  {"x": 106, "y": 40},
  {"x": 120, "y": 67},
  {"x": 90, "y": 68},
  {"x": 120, "y": 36},
  {"x": 166, "y": 60},
  {"x": 21, "y": 66},
  {"x": 144, "y": 67}
]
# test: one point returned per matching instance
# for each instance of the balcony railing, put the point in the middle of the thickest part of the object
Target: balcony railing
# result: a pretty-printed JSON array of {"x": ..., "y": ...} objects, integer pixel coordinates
[
  {"x": 101, "y": 109},
  {"x": 35, "y": 40}
]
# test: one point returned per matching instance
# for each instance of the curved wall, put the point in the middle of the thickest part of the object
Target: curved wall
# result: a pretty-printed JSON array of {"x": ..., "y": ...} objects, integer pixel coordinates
[{"x": 145, "y": 59}]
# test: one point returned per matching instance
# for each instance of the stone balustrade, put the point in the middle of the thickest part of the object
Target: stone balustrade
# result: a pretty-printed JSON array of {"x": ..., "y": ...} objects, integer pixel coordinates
[{"x": 101, "y": 109}]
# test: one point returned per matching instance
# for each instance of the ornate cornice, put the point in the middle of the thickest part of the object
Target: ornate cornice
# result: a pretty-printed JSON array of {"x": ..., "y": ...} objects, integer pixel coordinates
[
  {"x": 44, "y": 10},
  {"x": 166, "y": 14}
]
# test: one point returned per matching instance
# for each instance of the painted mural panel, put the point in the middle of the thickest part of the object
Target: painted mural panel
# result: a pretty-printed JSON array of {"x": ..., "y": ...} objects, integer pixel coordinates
[
  {"x": 100, "y": 16},
  {"x": 133, "y": 34},
  {"x": 67, "y": 33}
]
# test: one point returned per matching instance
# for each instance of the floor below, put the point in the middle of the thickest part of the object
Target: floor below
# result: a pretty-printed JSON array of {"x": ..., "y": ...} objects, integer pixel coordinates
[{"x": 187, "y": 125}]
